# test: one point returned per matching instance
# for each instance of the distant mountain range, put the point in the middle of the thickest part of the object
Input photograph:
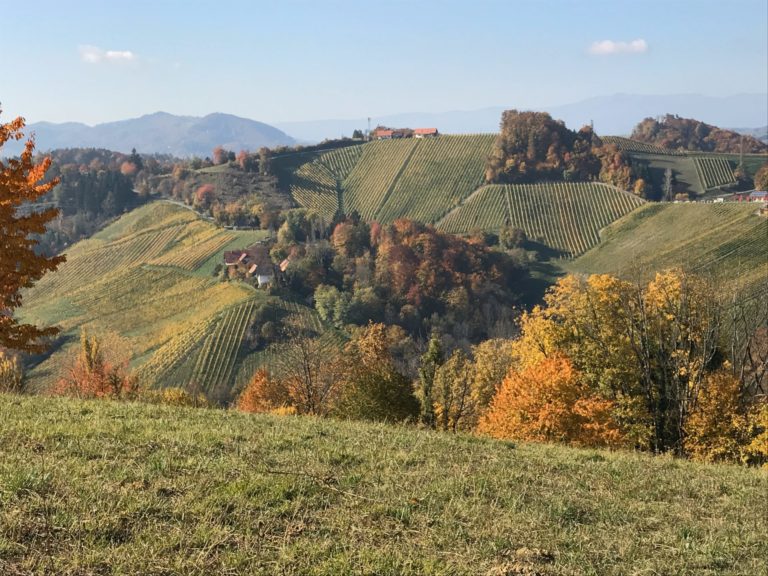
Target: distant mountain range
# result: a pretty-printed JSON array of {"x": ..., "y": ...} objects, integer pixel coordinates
[
  {"x": 611, "y": 115},
  {"x": 193, "y": 136},
  {"x": 159, "y": 132},
  {"x": 759, "y": 133}
]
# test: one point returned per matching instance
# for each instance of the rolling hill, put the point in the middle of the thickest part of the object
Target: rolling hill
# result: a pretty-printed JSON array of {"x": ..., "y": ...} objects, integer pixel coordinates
[
  {"x": 564, "y": 216},
  {"x": 147, "y": 284},
  {"x": 441, "y": 181},
  {"x": 120, "y": 488},
  {"x": 727, "y": 240},
  {"x": 161, "y": 133}
]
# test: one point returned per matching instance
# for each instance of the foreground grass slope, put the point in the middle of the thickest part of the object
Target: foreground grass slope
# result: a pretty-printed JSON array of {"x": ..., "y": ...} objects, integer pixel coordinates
[
  {"x": 728, "y": 241},
  {"x": 145, "y": 284},
  {"x": 108, "y": 488}
]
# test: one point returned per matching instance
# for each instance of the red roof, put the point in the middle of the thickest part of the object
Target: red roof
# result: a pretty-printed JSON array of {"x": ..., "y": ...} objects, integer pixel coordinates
[
  {"x": 384, "y": 132},
  {"x": 425, "y": 130}
]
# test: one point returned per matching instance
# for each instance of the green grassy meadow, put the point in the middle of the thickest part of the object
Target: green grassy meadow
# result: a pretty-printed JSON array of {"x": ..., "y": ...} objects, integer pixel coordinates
[{"x": 118, "y": 488}]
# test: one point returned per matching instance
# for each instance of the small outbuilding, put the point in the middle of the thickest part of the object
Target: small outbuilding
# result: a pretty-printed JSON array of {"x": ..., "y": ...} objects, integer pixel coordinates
[{"x": 425, "y": 132}]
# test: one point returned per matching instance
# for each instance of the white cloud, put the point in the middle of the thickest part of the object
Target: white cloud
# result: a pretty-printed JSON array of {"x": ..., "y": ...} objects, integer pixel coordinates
[
  {"x": 605, "y": 47},
  {"x": 95, "y": 55}
]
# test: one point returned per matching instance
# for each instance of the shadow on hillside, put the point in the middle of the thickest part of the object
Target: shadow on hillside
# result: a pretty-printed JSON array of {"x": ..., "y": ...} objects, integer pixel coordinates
[
  {"x": 543, "y": 274},
  {"x": 32, "y": 361}
]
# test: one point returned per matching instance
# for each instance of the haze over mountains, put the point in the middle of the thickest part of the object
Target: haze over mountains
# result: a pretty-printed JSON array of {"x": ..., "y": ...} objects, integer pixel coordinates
[
  {"x": 162, "y": 133},
  {"x": 615, "y": 115},
  {"x": 184, "y": 136}
]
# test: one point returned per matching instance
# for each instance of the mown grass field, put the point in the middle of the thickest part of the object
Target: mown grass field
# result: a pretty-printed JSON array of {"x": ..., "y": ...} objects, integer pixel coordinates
[
  {"x": 146, "y": 286},
  {"x": 729, "y": 241},
  {"x": 108, "y": 488}
]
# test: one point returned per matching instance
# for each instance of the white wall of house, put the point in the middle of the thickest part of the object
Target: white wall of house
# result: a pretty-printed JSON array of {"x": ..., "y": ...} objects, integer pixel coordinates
[{"x": 264, "y": 279}]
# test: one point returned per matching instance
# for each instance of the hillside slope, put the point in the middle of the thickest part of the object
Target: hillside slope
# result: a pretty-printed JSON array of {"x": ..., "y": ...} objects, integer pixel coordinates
[
  {"x": 391, "y": 179},
  {"x": 146, "y": 284},
  {"x": 566, "y": 217},
  {"x": 729, "y": 241},
  {"x": 109, "y": 488}
]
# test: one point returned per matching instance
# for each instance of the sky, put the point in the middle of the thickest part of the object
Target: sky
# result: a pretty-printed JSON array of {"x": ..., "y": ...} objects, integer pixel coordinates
[{"x": 290, "y": 60}]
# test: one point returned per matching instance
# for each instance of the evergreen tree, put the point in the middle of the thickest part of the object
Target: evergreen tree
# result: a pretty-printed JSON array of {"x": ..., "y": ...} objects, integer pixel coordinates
[{"x": 430, "y": 362}]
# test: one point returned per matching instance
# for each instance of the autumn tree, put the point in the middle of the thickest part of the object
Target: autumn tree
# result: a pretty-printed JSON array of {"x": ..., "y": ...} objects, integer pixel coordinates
[
  {"x": 263, "y": 394},
  {"x": 761, "y": 178},
  {"x": 647, "y": 348},
  {"x": 373, "y": 387},
  {"x": 220, "y": 155},
  {"x": 11, "y": 373},
  {"x": 265, "y": 161},
  {"x": 491, "y": 361},
  {"x": 454, "y": 404},
  {"x": 308, "y": 373},
  {"x": 532, "y": 145},
  {"x": 550, "y": 402},
  {"x": 21, "y": 183},
  {"x": 96, "y": 372},
  {"x": 717, "y": 427},
  {"x": 675, "y": 133}
]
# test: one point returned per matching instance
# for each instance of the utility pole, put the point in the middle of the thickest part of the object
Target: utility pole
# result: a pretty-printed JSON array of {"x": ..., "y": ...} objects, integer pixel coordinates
[
  {"x": 668, "y": 184},
  {"x": 368, "y": 134}
]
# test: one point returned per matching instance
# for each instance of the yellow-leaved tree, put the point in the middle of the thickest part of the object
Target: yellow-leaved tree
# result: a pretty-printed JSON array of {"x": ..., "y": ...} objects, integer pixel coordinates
[{"x": 21, "y": 184}]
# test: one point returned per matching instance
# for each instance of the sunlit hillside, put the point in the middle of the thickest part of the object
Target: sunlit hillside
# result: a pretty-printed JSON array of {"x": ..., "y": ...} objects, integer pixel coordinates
[
  {"x": 119, "y": 488},
  {"x": 727, "y": 240},
  {"x": 148, "y": 285}
]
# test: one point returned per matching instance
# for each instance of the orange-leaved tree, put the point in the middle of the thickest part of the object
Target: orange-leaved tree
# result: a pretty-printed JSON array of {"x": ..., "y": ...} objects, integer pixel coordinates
[
  {"x": 21, "y": 183},
  {"x": 550, "y": 402},
  {"x": 263, "y": 394},
  {"x": 95, "y": 373}
]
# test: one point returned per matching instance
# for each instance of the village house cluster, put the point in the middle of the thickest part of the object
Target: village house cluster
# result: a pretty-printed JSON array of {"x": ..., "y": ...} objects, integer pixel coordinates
[
  {"x": 254, "y": 264},
  {"x": 384, "y": 133}
]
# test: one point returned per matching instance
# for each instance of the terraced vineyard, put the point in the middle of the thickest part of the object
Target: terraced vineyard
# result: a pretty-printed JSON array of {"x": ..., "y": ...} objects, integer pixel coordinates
[
  {"x": 145, "y": 284},
  {"x": 727, "y": 240},
  {"x": 440, "y": 173},
  {"x": 714, "y": 171},
  {"x": 565, "y": 216},
  {"x": 630, "y": 145},
  {"x": 341, "y": 162},
  {"x": 191, "y": 257},
  {"x": 386, "y": 180},
  {"x": 214, "y": 366},
  {"x": 370, "y": 181},
  {"x": 315, "y": 186}
]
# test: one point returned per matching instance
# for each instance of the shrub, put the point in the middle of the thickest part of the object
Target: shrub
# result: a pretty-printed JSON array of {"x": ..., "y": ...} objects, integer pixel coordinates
[
  {"x": 11, "y": 374},
  {"x": 175, "y": 397},
  {"x": 263, "y": 394},
  {"x": 94, "y": 373}
]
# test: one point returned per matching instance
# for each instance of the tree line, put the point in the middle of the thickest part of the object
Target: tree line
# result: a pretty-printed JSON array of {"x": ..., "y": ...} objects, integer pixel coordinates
[
  {"x": 532, "y": 146},
  {"x": 666, "y": 365}
]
